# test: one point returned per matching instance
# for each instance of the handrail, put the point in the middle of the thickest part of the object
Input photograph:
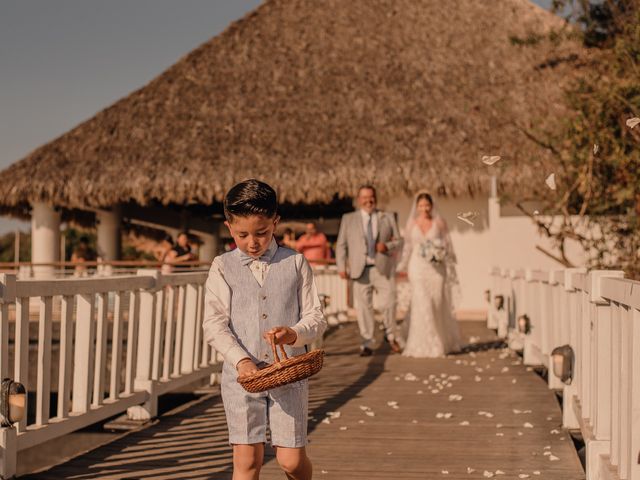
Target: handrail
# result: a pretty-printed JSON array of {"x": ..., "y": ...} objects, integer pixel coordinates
[{"x": 596, "y": 315}]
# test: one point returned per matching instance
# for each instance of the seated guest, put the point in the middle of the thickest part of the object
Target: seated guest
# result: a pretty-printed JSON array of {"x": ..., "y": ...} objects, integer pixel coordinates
[{"x": 313, "y": 245}]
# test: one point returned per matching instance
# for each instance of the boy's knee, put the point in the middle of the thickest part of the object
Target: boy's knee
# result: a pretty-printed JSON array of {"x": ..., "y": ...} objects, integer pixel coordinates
[
  {"x": 292, "y": 464},
  {"x": 247, "y": 460}
]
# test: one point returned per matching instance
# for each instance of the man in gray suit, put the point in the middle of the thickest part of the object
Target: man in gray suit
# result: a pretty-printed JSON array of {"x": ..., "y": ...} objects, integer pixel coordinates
[{"x": 367, "y": 243}]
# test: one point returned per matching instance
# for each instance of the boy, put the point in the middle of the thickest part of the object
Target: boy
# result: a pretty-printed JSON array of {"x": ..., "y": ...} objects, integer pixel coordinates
[{"x": 253, "y": 292}]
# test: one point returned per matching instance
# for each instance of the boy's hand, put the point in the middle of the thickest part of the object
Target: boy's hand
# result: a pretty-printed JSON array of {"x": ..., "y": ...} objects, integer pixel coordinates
[
  {"x": 246, "y": 367},
  {"x": 381, "y": 247},
  {"x": 281, "y": 335}
]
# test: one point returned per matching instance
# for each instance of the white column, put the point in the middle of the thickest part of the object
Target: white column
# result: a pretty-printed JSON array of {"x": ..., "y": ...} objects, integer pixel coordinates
[
  {"x": 45, "y": 237},
  {"x": 209, "y": 247},
  {"x": 108, "y": 229}
]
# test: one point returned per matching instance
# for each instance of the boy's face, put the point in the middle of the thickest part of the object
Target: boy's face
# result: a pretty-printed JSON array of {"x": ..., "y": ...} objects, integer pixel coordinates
[{"x": 252, "y": 234}]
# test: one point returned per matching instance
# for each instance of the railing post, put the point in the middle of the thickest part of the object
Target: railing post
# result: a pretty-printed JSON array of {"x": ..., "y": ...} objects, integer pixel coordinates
[
  {"x": 599, "y": 413},
  {"x": 531, "y": 350},
  {"x": 8, "y": 435},
  {"x": 144, "y": 357},
  {"x": 569, "y": 416}
]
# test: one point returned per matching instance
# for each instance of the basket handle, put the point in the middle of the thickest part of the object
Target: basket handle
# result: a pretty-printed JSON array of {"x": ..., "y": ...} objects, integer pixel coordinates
[{"x": 272, "y": 341}]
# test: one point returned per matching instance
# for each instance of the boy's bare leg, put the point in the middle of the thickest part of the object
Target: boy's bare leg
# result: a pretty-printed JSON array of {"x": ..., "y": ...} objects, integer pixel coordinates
[
  {"x": 247, "y": 461},
  {"x": 294, "y": 462}
]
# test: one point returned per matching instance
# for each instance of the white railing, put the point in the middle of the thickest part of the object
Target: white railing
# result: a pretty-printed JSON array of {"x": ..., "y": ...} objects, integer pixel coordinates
[
  {"x": 123, "y": 341},
  {"x": 598, "y": 315}
]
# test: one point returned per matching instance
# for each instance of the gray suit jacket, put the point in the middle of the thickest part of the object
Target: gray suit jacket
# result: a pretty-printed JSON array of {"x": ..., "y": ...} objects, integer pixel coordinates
[{"x": 352, "y": 244}]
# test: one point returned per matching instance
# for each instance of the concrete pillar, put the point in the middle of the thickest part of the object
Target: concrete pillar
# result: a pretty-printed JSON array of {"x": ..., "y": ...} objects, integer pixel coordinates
[
  {"x": 108, "y": 230},
  {"x": 45, "y": 238},
  {"x": 209, "y": 247}
]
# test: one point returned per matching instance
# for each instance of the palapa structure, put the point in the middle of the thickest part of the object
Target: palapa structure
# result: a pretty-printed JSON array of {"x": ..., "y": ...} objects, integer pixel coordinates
[{"x": 315, "y": 98}]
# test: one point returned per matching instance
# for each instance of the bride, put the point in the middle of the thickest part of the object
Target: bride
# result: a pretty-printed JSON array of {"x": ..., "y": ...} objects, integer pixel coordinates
[{"x": 429, "y": 260}]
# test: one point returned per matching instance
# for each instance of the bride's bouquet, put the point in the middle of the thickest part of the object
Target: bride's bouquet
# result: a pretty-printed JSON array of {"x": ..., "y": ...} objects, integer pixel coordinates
[{"x": 433, "y": 250}]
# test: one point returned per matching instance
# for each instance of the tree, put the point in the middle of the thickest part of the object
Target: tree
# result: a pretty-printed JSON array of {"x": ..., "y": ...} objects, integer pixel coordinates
[{"x": 597, "y": 199}]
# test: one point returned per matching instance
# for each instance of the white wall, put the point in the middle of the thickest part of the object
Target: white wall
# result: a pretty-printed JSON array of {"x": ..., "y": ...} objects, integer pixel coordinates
[{"x": 496, "y": 240}]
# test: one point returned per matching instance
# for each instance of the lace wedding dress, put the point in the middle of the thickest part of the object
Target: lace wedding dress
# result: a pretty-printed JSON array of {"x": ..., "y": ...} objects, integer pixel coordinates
[{"x": 430, "y": 264}]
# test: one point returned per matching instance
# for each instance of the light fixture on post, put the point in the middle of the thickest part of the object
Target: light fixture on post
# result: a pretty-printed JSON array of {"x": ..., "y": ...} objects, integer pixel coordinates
[
  {"x": 563, "y": 360},
  {"x": 12, "y": 402},
  {"x": 498, "y": 302},
  {"x": 487, "y": 296},
  {"x": 524, "y": 324}
]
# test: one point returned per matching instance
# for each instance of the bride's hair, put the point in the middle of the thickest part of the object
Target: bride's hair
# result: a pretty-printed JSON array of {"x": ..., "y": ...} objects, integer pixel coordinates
[{"x": 424, "y": 196}]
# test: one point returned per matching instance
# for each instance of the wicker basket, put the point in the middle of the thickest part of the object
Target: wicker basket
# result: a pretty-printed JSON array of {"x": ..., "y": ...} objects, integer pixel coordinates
[{"x": 282, "y": 372}]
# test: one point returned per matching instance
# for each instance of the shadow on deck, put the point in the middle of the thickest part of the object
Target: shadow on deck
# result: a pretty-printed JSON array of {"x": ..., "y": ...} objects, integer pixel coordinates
[{"x": 466, "y": 416}]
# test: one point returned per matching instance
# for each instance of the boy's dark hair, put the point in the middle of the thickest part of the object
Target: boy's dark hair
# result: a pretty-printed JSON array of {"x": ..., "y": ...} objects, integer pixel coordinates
[{"x": 251, "y": 197}]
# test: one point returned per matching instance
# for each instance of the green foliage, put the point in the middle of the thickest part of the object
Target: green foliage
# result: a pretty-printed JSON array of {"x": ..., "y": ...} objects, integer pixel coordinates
[
  {"x": 7, "y": 247},
  {"x": 598, "y": 154}
]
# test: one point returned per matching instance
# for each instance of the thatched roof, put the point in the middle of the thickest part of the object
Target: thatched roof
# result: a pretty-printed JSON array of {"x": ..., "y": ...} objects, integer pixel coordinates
[{"x": 316, "y": 98}]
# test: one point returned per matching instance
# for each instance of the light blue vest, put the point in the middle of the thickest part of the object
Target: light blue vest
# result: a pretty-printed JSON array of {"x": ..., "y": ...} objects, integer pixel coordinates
[{"x": 256, "y": 309}]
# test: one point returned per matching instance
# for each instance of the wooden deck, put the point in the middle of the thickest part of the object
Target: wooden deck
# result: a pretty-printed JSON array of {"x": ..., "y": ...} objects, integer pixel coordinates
[{"x": 472, "y": 415}]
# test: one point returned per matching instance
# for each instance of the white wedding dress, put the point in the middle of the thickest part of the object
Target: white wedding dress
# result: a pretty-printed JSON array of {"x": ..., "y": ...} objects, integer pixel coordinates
[{"x": 432, "y": 328}]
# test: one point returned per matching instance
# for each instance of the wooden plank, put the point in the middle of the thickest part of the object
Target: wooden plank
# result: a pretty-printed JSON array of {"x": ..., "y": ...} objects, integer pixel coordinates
[
  {"x": 116, "y": 349},
  {"x": 43, "y": 389},
  {"x": 132, "y": 340},
  {"x": 83, "y": 359},
  {"x": 66, "y": 355},
  {"x": 408, "y": 442},
  {"x": 167, "y": 360},
  {"x": 84, "y": 286},
  {"x": 158, "y": 331},
  {"x": 177, "y": 354},
  {"x": 100, "y": 367},
  {"x": 21, "y": 373}
]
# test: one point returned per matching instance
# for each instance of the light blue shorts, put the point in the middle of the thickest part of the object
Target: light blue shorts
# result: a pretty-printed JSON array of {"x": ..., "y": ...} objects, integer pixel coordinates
[{"x": 284, "y": 409}]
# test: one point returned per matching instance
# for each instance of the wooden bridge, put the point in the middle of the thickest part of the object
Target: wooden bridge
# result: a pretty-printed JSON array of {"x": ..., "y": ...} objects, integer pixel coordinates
[
  {"x": 478, "y": 414},
  {"x": 495, "y": 410}
]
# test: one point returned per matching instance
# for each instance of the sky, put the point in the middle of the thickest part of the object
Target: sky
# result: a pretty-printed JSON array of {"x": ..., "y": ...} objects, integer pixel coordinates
[{"x": 61, "y": 61}]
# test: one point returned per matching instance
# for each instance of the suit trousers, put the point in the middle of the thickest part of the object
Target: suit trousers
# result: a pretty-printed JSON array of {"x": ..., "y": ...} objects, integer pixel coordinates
[{"x": 363, "y": 288}]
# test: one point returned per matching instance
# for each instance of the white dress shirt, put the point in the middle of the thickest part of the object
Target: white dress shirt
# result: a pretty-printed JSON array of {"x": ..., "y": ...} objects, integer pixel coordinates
[
  {"x": 218, "y": 300},
  {"x": 374, "y": 229}
]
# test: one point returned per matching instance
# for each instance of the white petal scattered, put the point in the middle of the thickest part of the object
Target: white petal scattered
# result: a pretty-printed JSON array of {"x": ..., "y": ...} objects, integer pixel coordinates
[
  {"x": 514, "y": 381},
  {"x": 551, "y": 181},
  {"x": 487, "y": 474},
  {"x": 324, "y": 472},
  {"x": 333, "y": 415},
  {"x": 470, "y": 470},
  {"x": 371, "y": 414},
  {"x": 523, "y": 475},
  {"x": 498, "y": 425},
  {"x": 410, "y": 377},
  {"x": 554, "y": 432},
  {"x": 326, "y": 420},
  {"x": 536, "y": 472},
  {"x": 468, "y": 217},
  {"x": 499, "y": 434},
  {"x": 473, "y": 339},
  {"x": 499, "y": 472},
  {"x": 419, "y": 392},
  {"x": 546, "y": 454},
  {"x": 364, "y": 408},
  {"x": 504, "y": 369},
  {"x": 414, "y": 421},
  {"x": 455, "y": 397},
  {"x": 516, "y": 411},
  {"x": 343, "y": 428},
  {"x": 520, "y": 434},
  {"x": 553, "y": 458},
  {"x": 528, "y": 425},
  {"x": 360, "y": 421},
  {"x": 477, "y": 378},
  {"x": 392, "y": 403},
  {"x": 464, "y": 423},
  {"x": 426, "y": 382},
  {"x": 490, "y": 159},
  {"x": 633, "y": 122},
  {"x": 445, "y": 472},
  {"x": 536, "y": 212},
  {"x": 435, "y": 390}
]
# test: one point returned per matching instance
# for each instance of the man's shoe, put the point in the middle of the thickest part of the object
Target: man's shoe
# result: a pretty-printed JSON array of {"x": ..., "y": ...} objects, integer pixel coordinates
[
  {"x": 366, "y": 352},
  {"x": 395, "y": 346}
]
